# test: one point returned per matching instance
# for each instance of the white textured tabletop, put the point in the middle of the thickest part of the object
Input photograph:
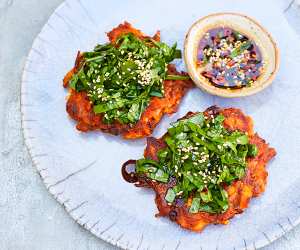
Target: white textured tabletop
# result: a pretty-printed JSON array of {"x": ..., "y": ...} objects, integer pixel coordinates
[{"x": 30, "y": 217}]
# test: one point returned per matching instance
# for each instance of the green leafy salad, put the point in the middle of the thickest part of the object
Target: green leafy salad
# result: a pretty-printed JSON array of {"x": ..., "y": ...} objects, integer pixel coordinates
[
  {"x": 121, "y": 78},
  {"x": 203, "y": 157}
]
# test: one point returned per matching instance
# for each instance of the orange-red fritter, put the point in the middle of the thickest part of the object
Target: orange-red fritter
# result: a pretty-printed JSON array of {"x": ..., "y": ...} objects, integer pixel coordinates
[
  {"x": 81, "y": 110},
  {"x": 239, "y": 192}
]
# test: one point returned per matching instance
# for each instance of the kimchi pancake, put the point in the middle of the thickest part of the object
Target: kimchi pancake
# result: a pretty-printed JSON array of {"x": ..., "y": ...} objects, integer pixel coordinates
[
  {"x": 90, "y": 110},
  {"x": 238, "y": 190}
]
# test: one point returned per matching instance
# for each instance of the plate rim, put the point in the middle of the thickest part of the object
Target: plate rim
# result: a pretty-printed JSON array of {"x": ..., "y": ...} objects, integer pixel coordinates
[{"x": 109, "y": 238}]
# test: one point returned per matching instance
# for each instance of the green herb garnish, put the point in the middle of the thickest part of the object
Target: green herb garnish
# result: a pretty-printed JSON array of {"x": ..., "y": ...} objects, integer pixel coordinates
[
  {"x": 121, "y": 78},
  {"x": 203, "y": 157},
  {"x": 240, "y": 49}
]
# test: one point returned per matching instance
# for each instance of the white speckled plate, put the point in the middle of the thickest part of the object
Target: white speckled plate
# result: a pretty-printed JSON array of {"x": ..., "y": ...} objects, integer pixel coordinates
[{"x": 82, "y": 171}]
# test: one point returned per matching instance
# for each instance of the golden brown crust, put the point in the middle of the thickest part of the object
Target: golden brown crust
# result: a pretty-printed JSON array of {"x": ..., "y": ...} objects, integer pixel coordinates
[
  {"x": 80, "y": 109},
  {"x": 239, "y": 192},
  {"x": 236, "y": 120}
]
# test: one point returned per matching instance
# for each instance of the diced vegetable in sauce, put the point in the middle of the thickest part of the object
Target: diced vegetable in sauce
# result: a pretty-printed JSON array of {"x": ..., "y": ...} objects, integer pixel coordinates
[{"x": 229, "y": 59}]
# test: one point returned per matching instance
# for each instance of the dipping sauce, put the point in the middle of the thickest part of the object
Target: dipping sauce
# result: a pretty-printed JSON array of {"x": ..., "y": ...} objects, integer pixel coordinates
[{"x": 229, "y": 59}]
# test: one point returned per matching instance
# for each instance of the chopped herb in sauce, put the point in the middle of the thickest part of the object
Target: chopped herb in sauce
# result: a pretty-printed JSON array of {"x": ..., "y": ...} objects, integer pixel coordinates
[
  {"x": 121, "y": 78},
  {"x": 229, "y": 59},
  {"x": 203, "y": 157}
]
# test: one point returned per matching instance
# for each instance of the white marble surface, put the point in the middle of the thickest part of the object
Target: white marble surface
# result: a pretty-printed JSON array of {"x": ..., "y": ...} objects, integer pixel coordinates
[{"x": 30, "y": 217}]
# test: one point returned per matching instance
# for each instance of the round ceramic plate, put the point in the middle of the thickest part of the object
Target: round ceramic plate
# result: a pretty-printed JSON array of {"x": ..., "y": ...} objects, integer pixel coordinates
[{"x": 82, "y": 171}]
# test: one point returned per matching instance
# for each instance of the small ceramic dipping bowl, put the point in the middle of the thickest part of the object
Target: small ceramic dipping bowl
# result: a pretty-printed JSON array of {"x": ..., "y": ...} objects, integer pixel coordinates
[{"x": 230, "y": 55}]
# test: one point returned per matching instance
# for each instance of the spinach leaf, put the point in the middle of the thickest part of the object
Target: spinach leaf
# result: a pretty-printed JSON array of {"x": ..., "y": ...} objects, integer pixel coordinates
[
  {"x": 239, "y": 50},
  {"x": 170, "y": 196},
  {"x": 252, "y": 150},
  {"x": 134, "y": 112},
  {"x": 194, "y": 208}
]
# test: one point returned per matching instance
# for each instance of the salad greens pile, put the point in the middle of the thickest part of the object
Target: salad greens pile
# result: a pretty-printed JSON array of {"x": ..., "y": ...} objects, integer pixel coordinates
[
  {"x": 203, "y": 157},
  {"x": 121, "y": 78}
]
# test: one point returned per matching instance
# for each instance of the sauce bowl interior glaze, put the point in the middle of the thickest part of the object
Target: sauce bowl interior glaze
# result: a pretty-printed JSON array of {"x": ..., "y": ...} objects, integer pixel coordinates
[{"x": 244, "y": 25}]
